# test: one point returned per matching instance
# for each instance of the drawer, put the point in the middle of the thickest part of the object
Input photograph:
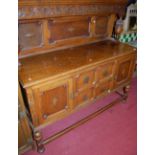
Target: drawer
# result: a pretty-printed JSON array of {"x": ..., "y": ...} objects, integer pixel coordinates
[
  {"x": 103, "y": 88},
  {"x": 85, "y": 80},
  {"x": 83, "y": 96},
  {"x": 68, "y": 28},
  {"x": 105, "y": 71}
]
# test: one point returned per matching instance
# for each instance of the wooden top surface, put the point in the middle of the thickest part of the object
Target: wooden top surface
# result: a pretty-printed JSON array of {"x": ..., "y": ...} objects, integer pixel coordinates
[
  {"x": 47, "y": 66},
  {"x": 64, "y": 2}
]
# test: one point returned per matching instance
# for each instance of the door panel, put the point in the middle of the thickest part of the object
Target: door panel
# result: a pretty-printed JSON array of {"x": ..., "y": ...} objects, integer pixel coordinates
[
  {"x": 54, "y": 100},
  {"x": 125, "y": 68}
]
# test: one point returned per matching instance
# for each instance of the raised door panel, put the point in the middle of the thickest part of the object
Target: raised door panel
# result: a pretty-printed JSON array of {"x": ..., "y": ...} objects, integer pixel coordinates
[
  {"x": 66, "y": 28},
  {"x": 125, "y": 69},
  {"x": 52, "y": 100},
  {"x": 30, "y": 35}
]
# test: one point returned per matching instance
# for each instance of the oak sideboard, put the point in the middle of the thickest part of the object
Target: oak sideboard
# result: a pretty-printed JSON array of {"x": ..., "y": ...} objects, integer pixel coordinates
[{"x": 68, "y": 59}]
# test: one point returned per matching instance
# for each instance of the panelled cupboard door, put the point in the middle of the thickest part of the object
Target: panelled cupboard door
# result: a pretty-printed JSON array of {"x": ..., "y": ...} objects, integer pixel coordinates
[
  {"x": 52, "y": 100},
  {"x": 125, "y": 67}
]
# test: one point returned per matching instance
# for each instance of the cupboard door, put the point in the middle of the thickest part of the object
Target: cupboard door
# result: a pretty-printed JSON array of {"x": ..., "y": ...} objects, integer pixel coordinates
[
  {"x": 52, "y": 100},
  {"x": 125, "y": 69}
]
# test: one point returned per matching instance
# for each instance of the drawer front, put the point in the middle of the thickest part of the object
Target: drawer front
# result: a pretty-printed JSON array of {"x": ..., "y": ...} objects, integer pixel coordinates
[
  {"x": 105, "y": 71},
  {"x": 85, "y": 80},
  {"x": 67, "y": 29},
  {"x": 103, "y": 88},
  {"x": 83, "y": 96},
  {"x": 30, "y": 35}
]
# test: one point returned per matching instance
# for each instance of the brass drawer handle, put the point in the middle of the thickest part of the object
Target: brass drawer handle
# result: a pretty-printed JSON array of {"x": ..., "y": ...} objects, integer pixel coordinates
[
  {"x": 109, "y": 90},
  {"x": 86, "y": 80}
]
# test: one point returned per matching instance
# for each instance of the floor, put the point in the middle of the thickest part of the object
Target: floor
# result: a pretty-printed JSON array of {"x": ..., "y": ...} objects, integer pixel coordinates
[{"x": 113, "y": 132}]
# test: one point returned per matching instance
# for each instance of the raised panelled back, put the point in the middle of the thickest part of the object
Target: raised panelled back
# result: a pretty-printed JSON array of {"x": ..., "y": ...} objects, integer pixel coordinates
[
  {"x": 68, "y": 28},
  {"x": 44, "y": 35},
  {"x": 101, "y": 26},
  {"x": 30, "y": 35}
]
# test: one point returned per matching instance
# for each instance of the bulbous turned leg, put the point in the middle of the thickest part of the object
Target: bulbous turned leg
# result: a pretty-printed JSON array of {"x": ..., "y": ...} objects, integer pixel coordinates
[
  {"x": 125, "y": 91},
  {"x": 38, "y": 139}
]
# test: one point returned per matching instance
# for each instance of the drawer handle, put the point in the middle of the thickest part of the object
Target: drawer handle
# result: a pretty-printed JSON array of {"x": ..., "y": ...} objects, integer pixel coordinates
[
  {"x": 109, "y": 90},
  {"x": 86, "y": 80}
]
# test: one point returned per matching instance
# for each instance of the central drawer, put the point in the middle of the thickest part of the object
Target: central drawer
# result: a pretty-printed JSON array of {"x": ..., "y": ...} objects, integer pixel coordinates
[
  {"x": 105, "y": 71},
  {"x": 84, "y": 80},
  {"x": 84, "y": 96},
  {"x": 103, "y": 88}
]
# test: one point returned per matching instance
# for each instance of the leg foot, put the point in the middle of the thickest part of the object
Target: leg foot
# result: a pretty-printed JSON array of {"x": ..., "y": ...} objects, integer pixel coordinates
[
  {"x": 38, "y": 139},
  {"x": 125, "y": 91}
]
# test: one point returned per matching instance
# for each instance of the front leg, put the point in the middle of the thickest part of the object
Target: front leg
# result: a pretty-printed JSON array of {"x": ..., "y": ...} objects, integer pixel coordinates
[
  {"x": 38, "y": 139},
  {"x": 125, "y": 92}
]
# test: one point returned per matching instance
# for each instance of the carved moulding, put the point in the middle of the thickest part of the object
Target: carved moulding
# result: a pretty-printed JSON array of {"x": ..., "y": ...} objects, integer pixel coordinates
[{"x": 29, "y": 12}]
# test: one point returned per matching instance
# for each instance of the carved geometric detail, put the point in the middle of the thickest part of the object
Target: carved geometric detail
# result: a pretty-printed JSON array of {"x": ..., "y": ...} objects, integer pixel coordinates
[{"x": 27, "y": 12}]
